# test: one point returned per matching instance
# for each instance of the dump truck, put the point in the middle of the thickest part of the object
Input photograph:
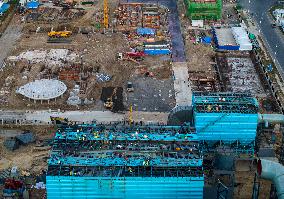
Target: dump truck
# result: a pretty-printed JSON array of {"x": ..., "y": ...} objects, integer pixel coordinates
[
  {"x": 132, "y": 56},
  {"x": 59, "y": 34}
]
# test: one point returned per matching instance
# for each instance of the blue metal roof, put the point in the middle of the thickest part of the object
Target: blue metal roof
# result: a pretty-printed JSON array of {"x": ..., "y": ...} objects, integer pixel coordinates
[
  {"x": 87, "y": 187},
  {"x": 4, "y": 7},
  {"x": 32, "y": 5},
  {"x": 145, "y": 31},
  {"x": 226, "y": 117}
]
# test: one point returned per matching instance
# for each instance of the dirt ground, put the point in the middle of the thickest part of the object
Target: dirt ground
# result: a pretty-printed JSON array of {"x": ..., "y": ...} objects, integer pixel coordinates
[
  {"x": 96, "y": 53},
  {"x": 31, "y": 158}
]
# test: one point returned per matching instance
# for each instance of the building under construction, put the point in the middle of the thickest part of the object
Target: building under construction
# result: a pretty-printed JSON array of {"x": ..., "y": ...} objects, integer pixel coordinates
[
  {"x": 91, "y": 161},
  {"x": 231, "y": 118},
  {"x": 120, "y": 161},
  {"x": 204, "y": 9}
]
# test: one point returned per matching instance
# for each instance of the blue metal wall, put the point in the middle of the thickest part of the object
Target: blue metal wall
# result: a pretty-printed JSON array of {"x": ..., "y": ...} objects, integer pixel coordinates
[
  {"x": 124, "y": 188},
  {"x": 226, "y": 126},
  {"x": 215, "y": 38},
  {"x": 154, "y": 51}
]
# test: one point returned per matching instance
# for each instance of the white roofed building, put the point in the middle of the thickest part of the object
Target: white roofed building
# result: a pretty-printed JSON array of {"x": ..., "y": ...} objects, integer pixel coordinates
[{"x": 241, "y": 38}]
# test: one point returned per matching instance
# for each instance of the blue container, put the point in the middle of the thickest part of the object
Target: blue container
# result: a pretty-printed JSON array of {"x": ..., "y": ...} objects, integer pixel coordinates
[{"x": 165, "y": 51}]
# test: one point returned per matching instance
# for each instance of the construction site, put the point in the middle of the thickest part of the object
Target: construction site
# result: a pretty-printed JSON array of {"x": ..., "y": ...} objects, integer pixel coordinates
[{"x": 137, "y": 99}]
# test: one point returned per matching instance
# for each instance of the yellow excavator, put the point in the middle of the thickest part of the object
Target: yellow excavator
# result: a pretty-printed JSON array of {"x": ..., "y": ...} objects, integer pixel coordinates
[{"x": 109, "y": 102}]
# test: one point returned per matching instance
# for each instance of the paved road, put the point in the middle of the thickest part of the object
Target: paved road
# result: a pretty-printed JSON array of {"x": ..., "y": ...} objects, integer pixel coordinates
[
  {"x": 8, "y": 40},
  {"x": 43, "y": 116},
  {"x": 178, "y": 51},
  {"x": 273, "y": 37},
  {"x": 182, "y": 87}
]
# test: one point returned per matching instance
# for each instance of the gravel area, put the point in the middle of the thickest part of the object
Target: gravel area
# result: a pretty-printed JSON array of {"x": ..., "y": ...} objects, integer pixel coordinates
[{"x": 151, "y": 95}]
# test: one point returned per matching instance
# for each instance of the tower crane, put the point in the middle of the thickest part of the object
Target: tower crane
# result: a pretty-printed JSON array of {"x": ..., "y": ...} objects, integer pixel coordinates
[{"x": 106, "y": 13}]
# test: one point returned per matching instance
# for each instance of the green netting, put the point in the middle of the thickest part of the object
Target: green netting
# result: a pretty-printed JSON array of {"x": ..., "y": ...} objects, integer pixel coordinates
[{"x": 197, "y": 10}]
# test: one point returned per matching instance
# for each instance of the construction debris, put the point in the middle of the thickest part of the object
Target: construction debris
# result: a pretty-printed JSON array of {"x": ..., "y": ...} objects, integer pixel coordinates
[{"x": 51, "y": 57}]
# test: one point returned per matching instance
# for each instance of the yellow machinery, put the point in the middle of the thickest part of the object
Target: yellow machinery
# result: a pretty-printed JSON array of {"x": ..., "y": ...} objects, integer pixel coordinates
[
  {"x": 130, "y": 114},
  {"x": 106, "y": 13},
  {"x": 59, "y": 34},
  {"x": 109, "y": 102}
]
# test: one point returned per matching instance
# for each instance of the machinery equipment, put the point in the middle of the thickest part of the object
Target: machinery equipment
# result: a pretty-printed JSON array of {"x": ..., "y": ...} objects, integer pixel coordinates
[
  {"x": 109, "y": 102},
  {"x": 130, "y": 114},
  {"x": 106, "y": 13},
  {"x": 132, "y": 56},
  {"x": 130, "y": 87},
  {"x": 60, "y": 34},
  {"x": 13, "y": 189}
]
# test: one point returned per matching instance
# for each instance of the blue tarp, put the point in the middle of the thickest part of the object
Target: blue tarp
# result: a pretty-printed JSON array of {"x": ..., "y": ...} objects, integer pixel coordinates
[
  {"x": 4, "y": 7},
  {"x": 145, "y": 31},
  {"x": 32, "y": 5},
  {"x": 206, "y": 40},
  {"x": 26, "y": 138}
]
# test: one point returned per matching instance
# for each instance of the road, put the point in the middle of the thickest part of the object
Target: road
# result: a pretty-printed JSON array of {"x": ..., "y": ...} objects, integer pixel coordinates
[
  {"x": 42, "y": 117},
  {"x": 272, "y": 36},
  {"x": 8, "y": 39}
]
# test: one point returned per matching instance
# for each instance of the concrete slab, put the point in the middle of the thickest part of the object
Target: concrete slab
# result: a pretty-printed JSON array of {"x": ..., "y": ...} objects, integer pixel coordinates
[
  {"x": 79, "y": 116},
  {"x": 182, "y": 86}
]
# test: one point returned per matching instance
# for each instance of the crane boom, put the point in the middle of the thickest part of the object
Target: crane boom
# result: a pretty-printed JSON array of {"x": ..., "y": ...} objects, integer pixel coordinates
[{"x": 106, "y": 13}]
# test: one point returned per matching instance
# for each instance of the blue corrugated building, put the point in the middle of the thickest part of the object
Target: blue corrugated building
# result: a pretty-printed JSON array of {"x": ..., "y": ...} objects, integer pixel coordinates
[
  {"x": 32, "y": 5},
  {"x": 3, "y": 7},
  {"x": 154, "y": 162},
  {"x": 157, "y": 51},
  {"x": 224, "y": 40},
  {"x": 124, "y": 187},
  {"x": 226, "y": 117}
]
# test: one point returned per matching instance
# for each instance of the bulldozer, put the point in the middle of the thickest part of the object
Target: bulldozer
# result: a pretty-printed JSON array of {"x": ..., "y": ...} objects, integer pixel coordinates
[
  {"x": 109, "y": 102},
  {"x": 59, "y": 34}
]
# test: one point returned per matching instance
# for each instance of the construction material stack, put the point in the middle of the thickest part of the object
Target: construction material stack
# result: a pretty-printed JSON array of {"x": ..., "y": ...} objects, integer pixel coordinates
[{"x": 95, "y": 161}]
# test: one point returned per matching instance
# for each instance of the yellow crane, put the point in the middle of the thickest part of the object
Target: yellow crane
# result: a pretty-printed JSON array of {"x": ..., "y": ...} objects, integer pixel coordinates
[
  {"x": 130, "y": 114},
  {"x": 59, "y": 34},
  {"x": 106, "y": 13}
]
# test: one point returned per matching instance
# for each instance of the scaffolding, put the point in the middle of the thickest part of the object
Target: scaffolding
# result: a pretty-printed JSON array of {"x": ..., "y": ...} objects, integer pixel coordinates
[
  {"x": 226, "y": 118},
  {"x": 124, "y": 157},
  {"x": 225, "y": 103},
  {"x": 204, "y": 9}
]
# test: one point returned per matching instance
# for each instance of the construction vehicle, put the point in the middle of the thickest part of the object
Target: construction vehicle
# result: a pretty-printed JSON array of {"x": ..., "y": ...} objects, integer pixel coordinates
[
  {"x": 106, "y": 13},
  {"x": 59, "y": 34},
  {"x": 59, "y": 120},
  {"x": 109, "y": 102},
  {"x": 130, "y": 114},
  {"x": 130, "y": 87},
  {"x": 13, "y": 189},
  {"x": 132, "y": 56}
]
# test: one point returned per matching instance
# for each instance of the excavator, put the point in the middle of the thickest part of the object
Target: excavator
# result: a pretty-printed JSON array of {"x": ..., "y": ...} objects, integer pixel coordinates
[{"x": 109, "y": 102}]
